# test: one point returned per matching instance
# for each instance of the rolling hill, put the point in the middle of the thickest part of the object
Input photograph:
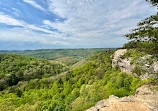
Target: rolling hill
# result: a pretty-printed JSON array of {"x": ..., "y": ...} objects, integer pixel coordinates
[{"x": 48, "y": 86}]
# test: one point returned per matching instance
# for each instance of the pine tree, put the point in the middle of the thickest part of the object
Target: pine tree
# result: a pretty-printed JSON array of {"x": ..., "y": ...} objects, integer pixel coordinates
[{"x": 145, "y": 37}]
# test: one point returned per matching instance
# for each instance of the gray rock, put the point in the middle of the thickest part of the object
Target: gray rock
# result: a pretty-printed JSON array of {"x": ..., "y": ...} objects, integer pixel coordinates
[{"x": 149, "y": 70}]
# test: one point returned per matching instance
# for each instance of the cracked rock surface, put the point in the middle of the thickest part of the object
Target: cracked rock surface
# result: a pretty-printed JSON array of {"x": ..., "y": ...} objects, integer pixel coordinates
[{"x": 145, "y": 99}]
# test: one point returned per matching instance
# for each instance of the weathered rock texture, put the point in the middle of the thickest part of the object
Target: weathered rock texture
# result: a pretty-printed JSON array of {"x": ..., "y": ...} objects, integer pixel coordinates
[
  {"x": 142, "y": 63},
  {"x": 145, "y": 99},
  {"x": 124, "y": 64},
  {"x": 155, "y": 66}
]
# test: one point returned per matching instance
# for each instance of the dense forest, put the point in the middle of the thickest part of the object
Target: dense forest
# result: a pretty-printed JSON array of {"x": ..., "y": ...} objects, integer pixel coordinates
[
  {"x": 65, "y": 56},
  {"x": 52, "y": 54},
  {"x": 15, "y": 68},
  {"x": 83, "y": 86},
  {"x": 49, "y": 80}
]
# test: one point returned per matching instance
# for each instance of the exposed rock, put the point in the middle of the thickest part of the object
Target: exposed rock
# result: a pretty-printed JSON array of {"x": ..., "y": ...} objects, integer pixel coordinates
[
  {"x": 117, "y": 54},
  {"x": 146, "y": 64},
  {"x": 124, "y": 64},
  {"x": 155, "y": 66},
  {"x": 145, "y": 99}
]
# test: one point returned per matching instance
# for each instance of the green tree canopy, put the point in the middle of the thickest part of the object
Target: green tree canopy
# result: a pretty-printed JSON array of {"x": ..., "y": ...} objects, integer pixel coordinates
[{"x": 145, "y": 36}]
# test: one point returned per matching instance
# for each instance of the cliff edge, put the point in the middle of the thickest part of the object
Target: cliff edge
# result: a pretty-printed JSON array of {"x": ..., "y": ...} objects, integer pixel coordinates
[
  {"x": 145, "y": 99},
  {"x": 142, "y": 65}
]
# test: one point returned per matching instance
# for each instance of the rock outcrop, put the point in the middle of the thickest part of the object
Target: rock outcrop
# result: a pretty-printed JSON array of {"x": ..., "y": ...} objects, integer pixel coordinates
[
  {"x": 124, "y": 64},
  {"x": 147, "y": 65},
  {"x": 145, "y": 99}
]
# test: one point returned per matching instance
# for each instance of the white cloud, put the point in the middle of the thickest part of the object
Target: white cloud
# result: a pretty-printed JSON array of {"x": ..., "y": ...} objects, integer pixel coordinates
[
  {"x": 21, "y": 34},
  {"x": 9, "y": 20},
  {"x": 88, "y": 23},
  {"x": 16, "y": 12},
  {"x": 26, "y": 34},
  {"x": 94, "y": 20},
  {"x": 33, "y": 27},
  {"x": 6, "y": 19},
  {"x": 34, "y": 4}
]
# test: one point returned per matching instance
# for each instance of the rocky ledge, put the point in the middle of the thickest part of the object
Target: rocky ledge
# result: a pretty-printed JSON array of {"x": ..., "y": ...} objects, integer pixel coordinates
[
  {"x": 145, "y": 99},
  {"x": 146, "y": 64}
]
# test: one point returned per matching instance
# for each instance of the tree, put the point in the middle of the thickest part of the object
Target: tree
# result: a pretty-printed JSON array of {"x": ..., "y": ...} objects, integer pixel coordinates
[
  {"x": 13, "y": 80},
  {"x": 145, "y": 37},
  {"x": 154, "y": 2}
]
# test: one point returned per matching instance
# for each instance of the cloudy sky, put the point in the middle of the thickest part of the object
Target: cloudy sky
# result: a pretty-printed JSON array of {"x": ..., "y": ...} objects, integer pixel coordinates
[{"x": 36, "y": 24}]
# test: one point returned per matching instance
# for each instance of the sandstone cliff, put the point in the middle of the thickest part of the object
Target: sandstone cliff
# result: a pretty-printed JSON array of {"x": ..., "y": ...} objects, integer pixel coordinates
[
  {"x": 145, "y": 99},
  {"x": 143, "y": 66},
  {"x": 124, "y": 64}
]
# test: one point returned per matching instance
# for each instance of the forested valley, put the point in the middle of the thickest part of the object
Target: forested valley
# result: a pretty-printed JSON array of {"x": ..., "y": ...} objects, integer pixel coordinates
[
  {"x": 39, "y": 85},
  {"x": 76, "y": 79}
]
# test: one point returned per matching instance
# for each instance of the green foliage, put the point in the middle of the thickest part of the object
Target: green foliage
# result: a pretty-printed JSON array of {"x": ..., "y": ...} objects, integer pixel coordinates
[
  {"x": 83, "y": 86},
  {"x": 143, "y": 46},
  {"x": 145, "y": 37},
  {"x": 7, "y": 106},
  {"x": 69, "y": 61},
  {"x": 134, "y": 54},
  {"x": 61, "y": 55},
  {"x": 15, "y": 68},
  {"x": 141, "y": 61}
]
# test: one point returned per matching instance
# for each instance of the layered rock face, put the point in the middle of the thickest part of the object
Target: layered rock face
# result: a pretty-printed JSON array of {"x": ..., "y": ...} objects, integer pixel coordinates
[
  {"x": 124, "y": 64},
  {"x": 146, "y": 64},
  {"x": 145, "y": 99}
]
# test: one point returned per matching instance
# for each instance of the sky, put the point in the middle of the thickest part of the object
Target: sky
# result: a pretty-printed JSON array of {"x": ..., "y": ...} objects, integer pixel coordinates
[{"x": 46, "y": 24}]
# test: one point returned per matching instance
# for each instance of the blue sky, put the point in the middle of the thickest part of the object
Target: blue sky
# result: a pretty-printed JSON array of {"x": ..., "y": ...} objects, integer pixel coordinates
[{"x": 36, "y": 24}]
